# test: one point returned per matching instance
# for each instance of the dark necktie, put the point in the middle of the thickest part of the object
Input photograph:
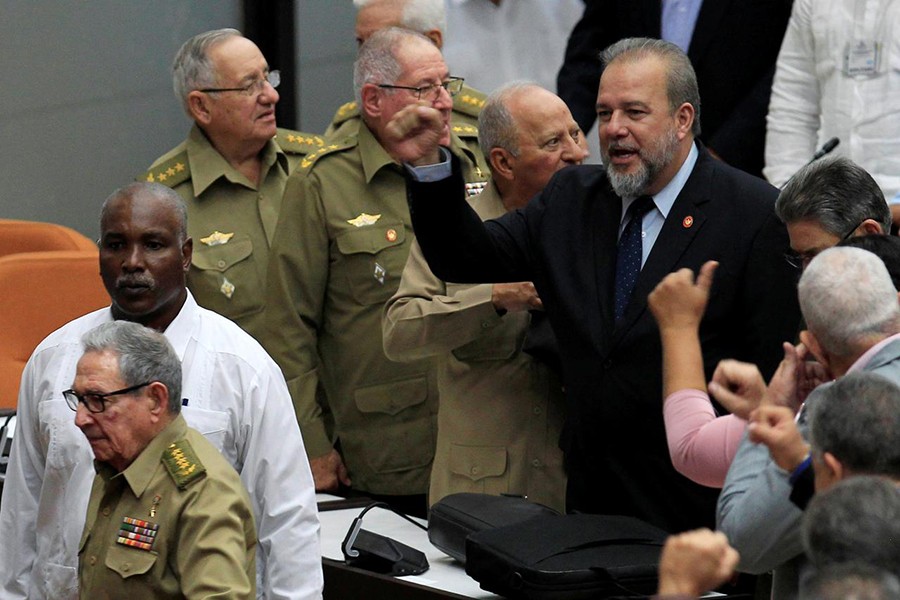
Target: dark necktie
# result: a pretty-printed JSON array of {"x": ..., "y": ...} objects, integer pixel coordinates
[{"x": 628, "y": 257}]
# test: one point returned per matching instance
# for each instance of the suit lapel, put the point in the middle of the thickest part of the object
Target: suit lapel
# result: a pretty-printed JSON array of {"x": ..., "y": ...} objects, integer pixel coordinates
[
  {"x": 605, "y": 217},
  {"x": 685, "y": 220},
  {"x": 711, "y": 14}
]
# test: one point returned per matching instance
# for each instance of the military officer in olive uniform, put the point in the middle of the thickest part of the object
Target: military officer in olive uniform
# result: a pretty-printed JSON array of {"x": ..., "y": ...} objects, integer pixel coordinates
[
  {"x": 231, "y": 170},
  {"x": 347, "y": 207},
  {"x": 428, "y": 18},
  {"x": 168, "y": 516}
]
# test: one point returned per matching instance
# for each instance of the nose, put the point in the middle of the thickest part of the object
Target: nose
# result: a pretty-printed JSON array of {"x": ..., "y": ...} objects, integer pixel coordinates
[
  {"x": 443, "y": 100},
  {"x": 268, "y": 95},
  {"x": 133, "y": 259},
  {"x": 615, "y": 126},
  {"x": 83, "y": 416},
  {"x": 575, "y": 151}
]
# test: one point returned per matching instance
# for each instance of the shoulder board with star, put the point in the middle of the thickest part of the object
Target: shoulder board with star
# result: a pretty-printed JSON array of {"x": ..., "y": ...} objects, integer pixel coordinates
[
  {"x": 183, "y": 464},
  {"x": 464, "y": 131},
  {"x": 297, "y": 142},
  {"x": 171, "y": 172},
  {"x": 346, "y": 112},
  {"x": 469, "y": 101},
  {"x": 310, "y": 159}
]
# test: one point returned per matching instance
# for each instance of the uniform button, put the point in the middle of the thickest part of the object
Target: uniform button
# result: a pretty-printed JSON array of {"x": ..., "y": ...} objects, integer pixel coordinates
[
  {"x": 485, "y": 325},
  {"x": 221, "y": 264},
  {"x": 536, "y": 463},
  {"x": 537, "y": 410},
  {"x": 607, "y": 364},
  {"x": 474, "y": 471},
  {"x": 92, "y": 560},
  {"x": 126, "y": 567},
  {"x": 106, "y": 512}
]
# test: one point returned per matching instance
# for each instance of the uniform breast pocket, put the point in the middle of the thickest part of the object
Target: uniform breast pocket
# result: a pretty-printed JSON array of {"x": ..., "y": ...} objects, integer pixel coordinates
[
  {"x": 225, "y": 278},
  {"x": 371, "y": 261},
  {"x": 128, "y": 562}
]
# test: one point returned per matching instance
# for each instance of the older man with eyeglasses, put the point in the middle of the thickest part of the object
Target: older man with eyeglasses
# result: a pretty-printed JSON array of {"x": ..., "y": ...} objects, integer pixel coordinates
[
  {"x": 230, "y": 170},
  {"x": 342, "y": 241},
  {"x": 168, "y": 516}
]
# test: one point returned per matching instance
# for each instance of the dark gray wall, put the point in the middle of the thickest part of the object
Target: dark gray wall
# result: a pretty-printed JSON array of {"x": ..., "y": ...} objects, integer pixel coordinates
[{"x": 86, "y": 99}]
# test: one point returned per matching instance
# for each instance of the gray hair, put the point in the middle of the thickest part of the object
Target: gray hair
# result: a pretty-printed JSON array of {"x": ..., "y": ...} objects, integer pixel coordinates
[
  {"x": 421, "y": 16},
  {"x": 192, "y": 69},
  {"x": 857, "y": 419},
  {"x": 143, "y": 189},
  {"x": 853, "y": 579},
  {"x": 681, "y": 80},
  {"x": 837, "y": 194},
  {"x": 377, "y": 59},
  {"x": 856, "y": 519},
  {"x": 847, "y": 297},
  {"x": 496, "y": 126},
  {"x": 143, "y": 355}
]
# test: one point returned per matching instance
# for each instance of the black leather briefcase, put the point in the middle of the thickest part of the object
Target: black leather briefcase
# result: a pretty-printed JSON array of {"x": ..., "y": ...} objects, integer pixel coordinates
[
  {"x": 567, "y": 557},
  {"x": 453, "y": 518}
]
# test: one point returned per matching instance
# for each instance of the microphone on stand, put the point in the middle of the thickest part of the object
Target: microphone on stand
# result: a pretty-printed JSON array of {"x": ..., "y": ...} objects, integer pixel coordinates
[{"x": 825, "y": 149}]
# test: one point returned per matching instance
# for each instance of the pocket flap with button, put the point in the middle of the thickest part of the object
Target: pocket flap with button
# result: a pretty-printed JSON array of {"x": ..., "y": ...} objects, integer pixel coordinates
[
  {"x": 392, "y": 398},
  {"x": 222, "y": 257},
  {"x": 371, "y": 239},
  {"x": 129, "y": 561},
  {"x": 477, "y": 462}
]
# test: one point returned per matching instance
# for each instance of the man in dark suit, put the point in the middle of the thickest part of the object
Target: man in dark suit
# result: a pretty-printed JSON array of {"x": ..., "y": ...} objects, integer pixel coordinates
[
  {"x": 732, "y": 44},
  {"x": 567, "y": 242}
]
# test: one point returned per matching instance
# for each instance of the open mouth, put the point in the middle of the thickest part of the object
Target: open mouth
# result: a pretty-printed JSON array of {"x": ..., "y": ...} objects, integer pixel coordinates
[{"x": 623, "y": 154}]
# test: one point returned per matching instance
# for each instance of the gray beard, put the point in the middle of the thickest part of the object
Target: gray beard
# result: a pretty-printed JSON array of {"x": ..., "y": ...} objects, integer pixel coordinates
[{"x": 631, "y": 185}]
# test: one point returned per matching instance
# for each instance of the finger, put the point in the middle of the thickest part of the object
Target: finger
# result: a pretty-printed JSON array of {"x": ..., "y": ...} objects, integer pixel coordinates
[
  {"x": 705, "y": 277},
  {"x": 733, "y": 402}
]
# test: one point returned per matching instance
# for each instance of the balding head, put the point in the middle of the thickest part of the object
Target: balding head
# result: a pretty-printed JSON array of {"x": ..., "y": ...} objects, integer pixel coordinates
[{"x": 422, "y": 16}]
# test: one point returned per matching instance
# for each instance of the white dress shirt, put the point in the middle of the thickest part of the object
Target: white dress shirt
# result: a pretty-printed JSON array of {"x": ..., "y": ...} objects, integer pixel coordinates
[
  {"x": 813, "y": 99},
  {"x": 237, "y": 399}
]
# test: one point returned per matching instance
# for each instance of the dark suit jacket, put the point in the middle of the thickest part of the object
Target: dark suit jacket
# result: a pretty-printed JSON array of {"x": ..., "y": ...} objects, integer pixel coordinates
[
  {"x": 565, "y": 242},
  {"x": 733, "y": 50}
]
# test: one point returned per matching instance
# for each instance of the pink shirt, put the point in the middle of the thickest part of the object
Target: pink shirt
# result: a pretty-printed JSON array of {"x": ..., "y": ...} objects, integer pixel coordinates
[{"x": 701, "y": 444}]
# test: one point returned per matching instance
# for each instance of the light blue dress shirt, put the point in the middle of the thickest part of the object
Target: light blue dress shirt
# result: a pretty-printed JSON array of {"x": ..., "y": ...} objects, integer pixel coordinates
[{"x": 679, "y": 17}]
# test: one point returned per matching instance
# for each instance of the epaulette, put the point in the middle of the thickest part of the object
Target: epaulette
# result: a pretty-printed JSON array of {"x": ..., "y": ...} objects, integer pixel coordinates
[
  {"x": 297, "y": 142},
  {"x": 469, "y": 101},
  {"x": 346, "y": 112},
  {"x": 464, "y": 131},
  {"x": 310, "y": 159},
  {"x": 172, "y": 172},
  {"x": 182, "y": 464}
]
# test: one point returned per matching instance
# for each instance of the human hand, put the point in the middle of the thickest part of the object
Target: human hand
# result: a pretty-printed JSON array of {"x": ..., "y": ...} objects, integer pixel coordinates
[
  {"x": 678, "y": 301},
  {"x": 738, "y": 386},
  {"x": 513, "y": 297},
  {"x": 775, "y": 427},
  {"x": 414, "y": 133},
  {"x": 328, "y": 472},
  {"x": 694, "y": 562}
]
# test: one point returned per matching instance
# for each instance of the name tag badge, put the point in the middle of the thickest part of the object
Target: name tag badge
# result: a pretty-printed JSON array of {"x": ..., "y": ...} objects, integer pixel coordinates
[{"x": 862, "y": 58}]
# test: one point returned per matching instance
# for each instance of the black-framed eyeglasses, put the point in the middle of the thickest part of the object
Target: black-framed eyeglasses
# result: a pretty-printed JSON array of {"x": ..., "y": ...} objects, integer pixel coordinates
[
  {"x": 273, "y": 78},
  {"x": 96, "y": 403},
  {"x": 801, "y": 260},
  {"x": 432, "y": 92}
]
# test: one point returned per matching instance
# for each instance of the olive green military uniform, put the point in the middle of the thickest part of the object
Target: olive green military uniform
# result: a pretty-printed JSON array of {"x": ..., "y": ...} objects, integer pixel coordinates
[
  {"x": 231, "y": 220},
  {"x": 176, "y": 523},
  {"x": 343, "y": 238},
  {"x": 467, "y": 106}
]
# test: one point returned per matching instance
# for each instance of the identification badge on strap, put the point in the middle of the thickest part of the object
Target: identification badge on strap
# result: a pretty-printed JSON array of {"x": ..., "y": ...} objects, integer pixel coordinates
[{"x": 862, "y": 58}]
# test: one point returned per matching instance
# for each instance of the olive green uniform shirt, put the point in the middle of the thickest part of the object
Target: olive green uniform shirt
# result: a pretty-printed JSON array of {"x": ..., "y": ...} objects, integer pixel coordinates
[
  {"x": 342, "y": 240},
  {"x": 231, "y": 220},
  {"x": 501, "y": 411},
  {"x": 176, "y": 523},
  {"x": 467, "y": 106}
]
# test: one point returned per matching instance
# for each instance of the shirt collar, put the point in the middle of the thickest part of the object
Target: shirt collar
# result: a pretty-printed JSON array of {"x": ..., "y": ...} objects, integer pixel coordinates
[
  {"x": 180, "y": 329},
  {"x": 665, "y": 198},
  {"x": 372, "y": 153},
  {"x": 207, "y": 165},
  {"x": 869, "y": 354}
]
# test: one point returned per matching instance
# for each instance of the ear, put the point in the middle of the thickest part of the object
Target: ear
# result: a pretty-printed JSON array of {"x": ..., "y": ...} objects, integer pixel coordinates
[
  {"x": 501, "y": 162},
  {"x": 159, "y": 394},
  {"x": 871, "y": 227},
  {"x": 684, "y": 119},
  {"x": 199, "y": 107},
  {"x": 815, "y": 348},
  {"x": 834, "y": 466},
  {"x": 187, "y": 253},
  {"x": 371, "y": 100},
  {"x": 436, "y": 37}
]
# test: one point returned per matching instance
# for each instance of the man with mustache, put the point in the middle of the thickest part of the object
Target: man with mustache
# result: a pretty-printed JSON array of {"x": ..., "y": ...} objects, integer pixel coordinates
[
  {"x": 230, "y": 170},
  {"x": 595, "y": 242},
  {"x": 238, "y": 400}
]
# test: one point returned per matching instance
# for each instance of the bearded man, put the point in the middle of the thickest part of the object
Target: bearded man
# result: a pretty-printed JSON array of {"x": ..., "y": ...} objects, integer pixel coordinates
[{"x": 595, "y": 242}]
